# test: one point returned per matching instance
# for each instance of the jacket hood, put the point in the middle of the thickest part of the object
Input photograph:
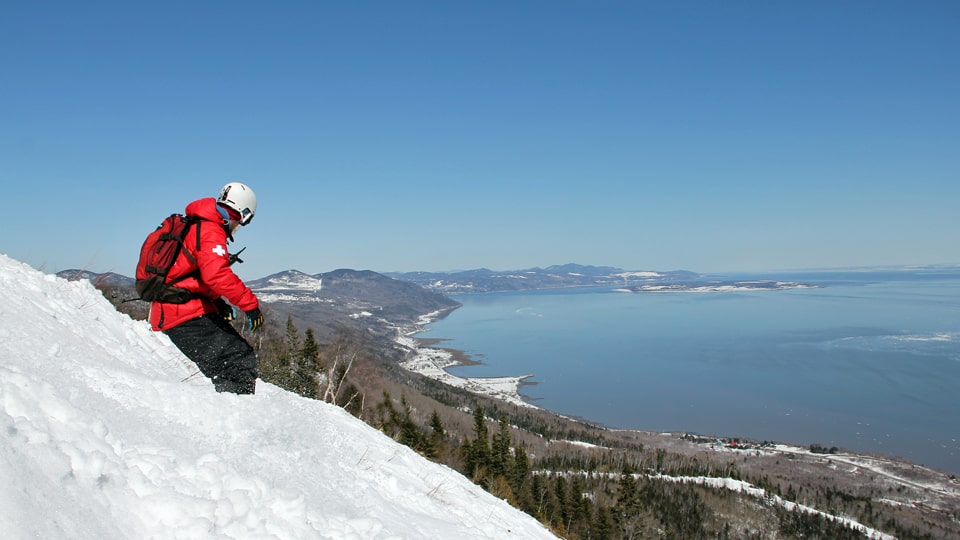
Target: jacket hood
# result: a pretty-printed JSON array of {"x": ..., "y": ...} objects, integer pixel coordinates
[{"x": 205, "y": 209}]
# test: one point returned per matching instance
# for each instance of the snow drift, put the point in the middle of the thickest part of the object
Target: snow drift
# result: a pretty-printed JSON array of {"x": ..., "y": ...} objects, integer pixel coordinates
[{"x": 104, "y": 434}]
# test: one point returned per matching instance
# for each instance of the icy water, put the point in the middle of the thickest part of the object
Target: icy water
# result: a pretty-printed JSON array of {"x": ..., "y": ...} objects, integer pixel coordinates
[{"x": 870, "y": 362}]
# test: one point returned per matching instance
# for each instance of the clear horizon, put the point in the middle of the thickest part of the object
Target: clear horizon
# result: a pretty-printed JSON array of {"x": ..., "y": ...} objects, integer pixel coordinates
[
  {"x": 742, "y": 273},
  {"x": 731, "y": 137}
]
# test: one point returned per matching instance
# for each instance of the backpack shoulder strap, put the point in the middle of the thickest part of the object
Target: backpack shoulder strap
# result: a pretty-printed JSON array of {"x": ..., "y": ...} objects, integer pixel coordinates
[
  {"x": 198, "y": 233},
  {"x": 188, "y": 222}
]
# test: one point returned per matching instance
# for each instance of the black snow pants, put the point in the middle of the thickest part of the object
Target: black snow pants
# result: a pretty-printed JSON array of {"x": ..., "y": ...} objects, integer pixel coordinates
[{"x": 219, "y": 351}]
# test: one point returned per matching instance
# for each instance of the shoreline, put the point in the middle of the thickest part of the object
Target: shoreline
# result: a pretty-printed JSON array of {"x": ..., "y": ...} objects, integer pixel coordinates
[{"x": 424, "y": 358}]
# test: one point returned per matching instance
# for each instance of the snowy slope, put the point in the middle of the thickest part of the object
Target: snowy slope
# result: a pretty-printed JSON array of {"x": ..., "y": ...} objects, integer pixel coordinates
[{"x": 100, "y": 437}]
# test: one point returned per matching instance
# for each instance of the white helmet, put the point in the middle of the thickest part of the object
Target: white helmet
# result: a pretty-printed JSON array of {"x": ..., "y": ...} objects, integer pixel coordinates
[{"x": 240, "y": 198}]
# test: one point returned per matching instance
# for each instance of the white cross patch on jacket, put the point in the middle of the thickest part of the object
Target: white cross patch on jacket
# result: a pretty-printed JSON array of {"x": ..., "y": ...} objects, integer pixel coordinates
[{"x": 219, "y": 250}]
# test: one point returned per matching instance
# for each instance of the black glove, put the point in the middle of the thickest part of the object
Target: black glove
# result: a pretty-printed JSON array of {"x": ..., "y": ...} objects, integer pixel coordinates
[
  {"x": 254, "y": 319},
  {"x": 225, "y": 310}
]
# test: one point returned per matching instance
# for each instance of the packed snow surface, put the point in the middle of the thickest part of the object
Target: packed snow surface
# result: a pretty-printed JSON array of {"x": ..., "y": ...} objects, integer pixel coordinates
[{"x": 106, "y": 432}]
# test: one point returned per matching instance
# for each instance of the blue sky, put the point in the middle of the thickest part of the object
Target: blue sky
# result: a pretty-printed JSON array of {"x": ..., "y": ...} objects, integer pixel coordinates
[{"x": 433, "y": 135}]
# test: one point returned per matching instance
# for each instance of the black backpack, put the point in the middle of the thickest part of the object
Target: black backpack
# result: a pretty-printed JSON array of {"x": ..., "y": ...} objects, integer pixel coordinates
[{"x": 160, "y": 250}]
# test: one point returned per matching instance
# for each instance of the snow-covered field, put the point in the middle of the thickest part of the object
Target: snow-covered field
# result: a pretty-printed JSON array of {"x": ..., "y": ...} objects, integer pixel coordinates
[{"x": 105, "y": 434}]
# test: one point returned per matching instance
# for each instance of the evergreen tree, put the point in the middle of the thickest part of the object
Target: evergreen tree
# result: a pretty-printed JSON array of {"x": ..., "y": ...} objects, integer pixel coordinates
[
  {"x": 478, "y": 451},
  {"x": 626, "y": 511},
  {"x": 539, "y": 489},
  {"x": 276, "y": 358},
  {"x": 307, "y": 367},
  {"x": 521, "y": 467},
  {"x": 410, "y": 434},
  {"x": 550, "y": 504},
  {"x": 581, "y": 506},
  {"x": 292, "y": 340},
  {"x": 522, "y": 480},
  {"x": 310, "y": 352},
  {"x": 564, "y": 509},
  {"x": 390, "y": 420},
  {"x": 603, "y": 528},
  {"x": 437, "y": 434},
  {"x": 500, "y": 462}
]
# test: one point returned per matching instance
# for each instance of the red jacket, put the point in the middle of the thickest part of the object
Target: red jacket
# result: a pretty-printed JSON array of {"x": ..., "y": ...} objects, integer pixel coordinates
[{"x": 216, "y": 279}]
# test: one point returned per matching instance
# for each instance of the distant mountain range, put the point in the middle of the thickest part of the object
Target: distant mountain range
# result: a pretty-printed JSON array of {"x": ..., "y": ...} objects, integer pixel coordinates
[
  {"x": 552, "y": 277},
  {"x": 377, "y": 305}
]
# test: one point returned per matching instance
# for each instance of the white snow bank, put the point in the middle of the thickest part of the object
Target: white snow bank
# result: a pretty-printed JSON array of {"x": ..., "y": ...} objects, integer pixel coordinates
[{"x": 104, "y": 434}]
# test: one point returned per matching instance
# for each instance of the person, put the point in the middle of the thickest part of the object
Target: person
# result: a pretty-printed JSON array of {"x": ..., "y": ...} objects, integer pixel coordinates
[{"x": 201, "y": 327}]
